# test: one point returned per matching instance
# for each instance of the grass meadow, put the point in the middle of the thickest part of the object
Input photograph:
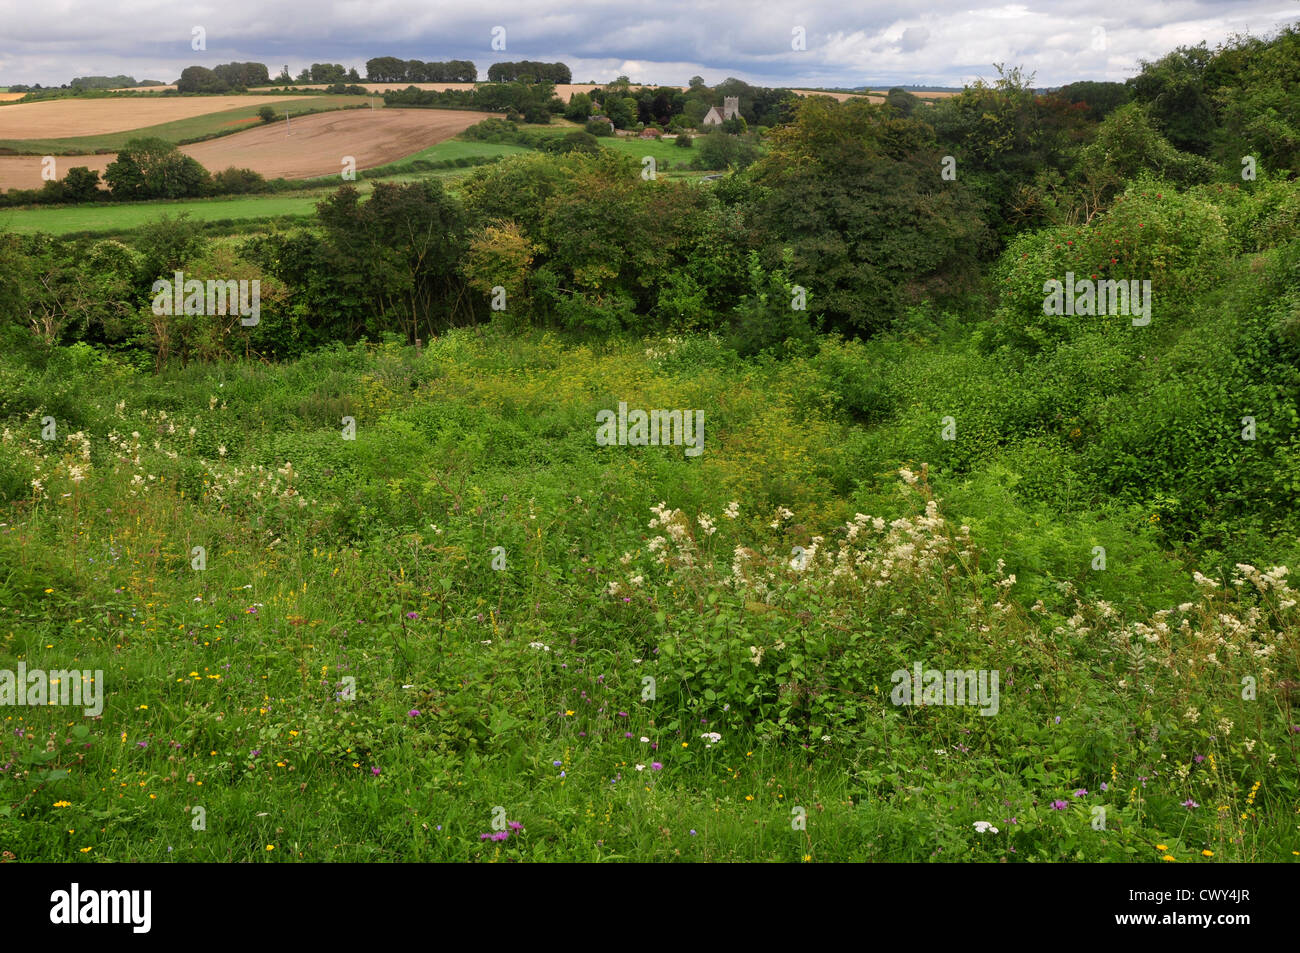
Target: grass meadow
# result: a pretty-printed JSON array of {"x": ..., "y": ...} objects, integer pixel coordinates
[{"x": 471, "y": 633}]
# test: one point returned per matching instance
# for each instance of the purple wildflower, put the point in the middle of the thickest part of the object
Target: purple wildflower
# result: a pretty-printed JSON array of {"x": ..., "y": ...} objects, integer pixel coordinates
[{"x": 1059, "y": 805}]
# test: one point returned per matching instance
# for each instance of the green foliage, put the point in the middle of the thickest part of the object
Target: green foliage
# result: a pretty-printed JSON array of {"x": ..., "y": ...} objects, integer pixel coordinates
[
  {"x": 1127, "y": 147},
  {"x": 719, "y": 150},
  {"x": 154, "y": 169},
  {"x": 767, "y": 317}
]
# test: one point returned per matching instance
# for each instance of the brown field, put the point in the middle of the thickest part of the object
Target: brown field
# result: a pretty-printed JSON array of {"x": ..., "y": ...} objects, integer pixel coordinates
[
  {"x": 315, "y": 146},
  {"x": 10, "y": 97},
  {"x": 66, "y": 118}
]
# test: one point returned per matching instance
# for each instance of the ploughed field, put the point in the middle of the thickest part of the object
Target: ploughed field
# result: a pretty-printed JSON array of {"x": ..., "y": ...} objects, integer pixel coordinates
[{"x": 305, "y": 147}]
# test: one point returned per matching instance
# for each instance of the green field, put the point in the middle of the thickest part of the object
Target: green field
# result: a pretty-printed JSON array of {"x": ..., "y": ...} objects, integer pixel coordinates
[
  {"x": 182, "y": 130},
  {"x": 115, "y": 218},
  {"x": 65, "y": 220},
  {"x": 668, "y": 157}
]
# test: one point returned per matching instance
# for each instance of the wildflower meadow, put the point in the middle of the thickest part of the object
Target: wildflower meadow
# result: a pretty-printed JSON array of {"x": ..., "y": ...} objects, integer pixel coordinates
[{"x": 919, "y": 485}]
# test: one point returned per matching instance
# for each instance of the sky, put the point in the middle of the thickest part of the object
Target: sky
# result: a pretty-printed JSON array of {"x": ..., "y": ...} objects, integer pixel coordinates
[{"x": 824, "y": 43}]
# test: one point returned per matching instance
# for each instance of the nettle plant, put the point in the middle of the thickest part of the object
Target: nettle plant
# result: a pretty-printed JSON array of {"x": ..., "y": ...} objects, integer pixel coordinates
[{"x": 796, "y": 636}]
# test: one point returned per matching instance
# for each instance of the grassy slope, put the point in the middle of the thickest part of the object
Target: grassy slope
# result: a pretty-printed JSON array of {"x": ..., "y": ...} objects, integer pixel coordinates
[{"x": 222, "y": 685}]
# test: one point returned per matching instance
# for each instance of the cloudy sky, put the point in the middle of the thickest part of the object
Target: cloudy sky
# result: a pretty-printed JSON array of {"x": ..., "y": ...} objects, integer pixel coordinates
[{"x": 845, "y": 42}]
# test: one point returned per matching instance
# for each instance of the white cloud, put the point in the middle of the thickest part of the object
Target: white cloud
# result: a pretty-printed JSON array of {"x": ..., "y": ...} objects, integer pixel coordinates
[{"x": 848, "y": 44}]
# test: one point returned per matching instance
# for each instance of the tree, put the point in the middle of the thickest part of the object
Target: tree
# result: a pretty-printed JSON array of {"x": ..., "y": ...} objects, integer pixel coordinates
[
  {"x": 576, "y": 141},
  {"x": 199, "y": 79},
  {"x": 241, "y": 75},
  {"x": 499, "y": 256},
  {"x": 853, "y": 191},
  {"x": 154, "y": 169},
  {"x": 233, "y": 181},
  {"x": 1127, "y": 145},
  {"x": 81, "y": 184},
  {"x": 621, "y": 111},
  {"x": 1102, "y": 99},
  {"x": 328, "y": 73},
  {"x": 266, "y": 114},
  {"x": 903, "y": 101},
  {"x": 167, "y": 245},
  {"x": 579, "y": 108},
  {"x": 1174, "y": 89},
  {"x": 717, "y": 150},
  {"x": 399, "y": 250},
  {"x": 386, "y": 69},
  {"x": 1258, "y": 101}
]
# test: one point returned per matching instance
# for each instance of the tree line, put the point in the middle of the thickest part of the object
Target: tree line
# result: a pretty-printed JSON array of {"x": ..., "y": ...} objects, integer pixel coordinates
[
  {"x": 392, "y": 69},
  {"x": 848, "y": 201}
]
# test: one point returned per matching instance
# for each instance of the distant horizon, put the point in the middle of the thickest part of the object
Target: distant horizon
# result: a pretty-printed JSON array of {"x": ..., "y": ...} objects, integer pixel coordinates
[
  {"x": 861, "y": 88},
  {"x": 825, "y": 45}
]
